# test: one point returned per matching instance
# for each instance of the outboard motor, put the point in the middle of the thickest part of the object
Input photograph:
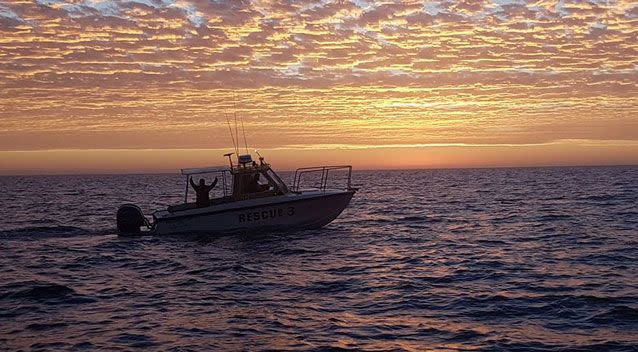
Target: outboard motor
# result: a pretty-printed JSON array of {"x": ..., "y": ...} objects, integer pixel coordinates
[{"x": 129, "y": 219}]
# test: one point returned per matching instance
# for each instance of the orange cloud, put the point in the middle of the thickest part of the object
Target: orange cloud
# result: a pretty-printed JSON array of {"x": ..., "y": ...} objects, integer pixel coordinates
[{"x": 162, "y": 74}]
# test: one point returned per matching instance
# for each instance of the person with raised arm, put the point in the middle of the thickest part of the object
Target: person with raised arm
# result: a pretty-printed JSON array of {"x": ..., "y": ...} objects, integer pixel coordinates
[{"x": 202, "y": 190}]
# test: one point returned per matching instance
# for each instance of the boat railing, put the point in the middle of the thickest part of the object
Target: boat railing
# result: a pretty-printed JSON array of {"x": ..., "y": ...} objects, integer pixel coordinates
[{"x": 325, "y": 171}]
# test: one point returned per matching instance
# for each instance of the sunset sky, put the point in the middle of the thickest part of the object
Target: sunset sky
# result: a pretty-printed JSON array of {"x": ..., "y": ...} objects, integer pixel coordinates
[{"x": 143, "y": 85}]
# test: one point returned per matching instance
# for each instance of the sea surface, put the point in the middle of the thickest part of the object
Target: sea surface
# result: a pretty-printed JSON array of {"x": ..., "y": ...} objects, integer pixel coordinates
[{"x": 529, "y": 259}]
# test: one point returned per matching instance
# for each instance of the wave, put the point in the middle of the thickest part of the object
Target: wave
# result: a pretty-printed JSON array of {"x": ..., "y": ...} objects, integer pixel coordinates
[
  {"x": 296, "y": 251},
  {"x": 40, "y": 232},
  {"x": 619, "y": 314},
  {"x": 601, "y": 198},
  {"x": 419, "y": 219},
  {"x": 554, "y": 217},
  {"x": 566, "y": 347},
  {"x": 463, "y": 271},
  {"x": 134, "y": 340},
  {"x": 41, "y": 291},
  {"x": 334, "y": 286},
  {"x": 46, "y": 326}
]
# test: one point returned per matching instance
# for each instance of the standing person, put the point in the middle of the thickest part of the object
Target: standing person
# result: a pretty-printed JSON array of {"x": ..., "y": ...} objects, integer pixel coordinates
[{"x": 202, "y": 190}]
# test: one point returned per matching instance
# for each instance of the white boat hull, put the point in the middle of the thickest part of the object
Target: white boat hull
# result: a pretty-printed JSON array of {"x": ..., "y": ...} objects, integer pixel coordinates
[{"x": 290, "y": 212}]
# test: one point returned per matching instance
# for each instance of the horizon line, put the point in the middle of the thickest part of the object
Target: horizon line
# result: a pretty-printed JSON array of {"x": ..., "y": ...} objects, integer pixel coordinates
[
  {"x": 339, "y": 146},
  {"x": 114, "y": 172}
]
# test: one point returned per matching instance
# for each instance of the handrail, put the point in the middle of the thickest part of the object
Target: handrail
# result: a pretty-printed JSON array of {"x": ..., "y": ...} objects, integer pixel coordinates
[{"x": 324, "y": 175}]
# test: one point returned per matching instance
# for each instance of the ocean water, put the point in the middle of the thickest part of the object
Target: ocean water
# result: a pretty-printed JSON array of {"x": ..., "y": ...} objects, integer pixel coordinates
[{"x": 542, "y": 259}]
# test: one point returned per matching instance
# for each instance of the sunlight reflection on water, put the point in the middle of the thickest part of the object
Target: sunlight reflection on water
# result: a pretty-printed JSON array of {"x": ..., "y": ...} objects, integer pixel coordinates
[{"x": 439, "y": 259}]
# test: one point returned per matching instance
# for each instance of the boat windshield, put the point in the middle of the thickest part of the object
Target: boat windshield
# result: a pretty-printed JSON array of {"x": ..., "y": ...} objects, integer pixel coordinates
[{"x": 276, "y": 180}]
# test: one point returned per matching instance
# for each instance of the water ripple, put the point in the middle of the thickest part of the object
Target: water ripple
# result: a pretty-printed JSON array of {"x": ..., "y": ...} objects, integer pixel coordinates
[{"x": 488, "y": 259}]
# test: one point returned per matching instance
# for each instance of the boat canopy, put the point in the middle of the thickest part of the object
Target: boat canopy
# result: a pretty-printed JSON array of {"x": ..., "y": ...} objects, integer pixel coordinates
[{"x": 204, "y": 170}]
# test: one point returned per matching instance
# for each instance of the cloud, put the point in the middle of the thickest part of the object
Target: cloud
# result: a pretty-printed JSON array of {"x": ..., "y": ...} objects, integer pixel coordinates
[{"x": 390, "y": 72}]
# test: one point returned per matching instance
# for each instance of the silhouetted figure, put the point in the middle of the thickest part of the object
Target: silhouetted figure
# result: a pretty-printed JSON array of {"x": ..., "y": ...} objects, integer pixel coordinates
[
  {"x": 253, "y": 184},
  {"x": 202, "y": 191}
]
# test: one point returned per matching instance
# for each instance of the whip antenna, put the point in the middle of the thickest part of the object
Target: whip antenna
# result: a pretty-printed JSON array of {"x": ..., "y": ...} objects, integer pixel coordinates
[
  {"x": 244, "y": 132},
  {"x": 230, "y": 129},
  {"x": 236, "y": 131}
]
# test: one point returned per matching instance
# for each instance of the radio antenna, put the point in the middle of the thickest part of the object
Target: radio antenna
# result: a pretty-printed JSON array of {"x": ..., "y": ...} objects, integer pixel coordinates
[
  {"x": 241, "y": 119},
  {"x": 236, "y": 130},
  {"x": 230, "y": 130},
  {"x": 244, "y": 132}
]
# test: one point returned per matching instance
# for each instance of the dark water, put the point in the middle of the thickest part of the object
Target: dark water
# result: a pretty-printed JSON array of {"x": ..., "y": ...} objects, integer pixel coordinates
[{"x": 539, "y": 259}]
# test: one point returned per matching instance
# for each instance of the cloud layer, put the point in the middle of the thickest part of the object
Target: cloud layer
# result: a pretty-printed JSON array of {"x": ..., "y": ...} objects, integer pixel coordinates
[{"x": 164, "y": 73}]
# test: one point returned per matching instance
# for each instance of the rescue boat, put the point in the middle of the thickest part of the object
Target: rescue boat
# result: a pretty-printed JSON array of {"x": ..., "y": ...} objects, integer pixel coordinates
[{"x": 253, "y": 199}]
